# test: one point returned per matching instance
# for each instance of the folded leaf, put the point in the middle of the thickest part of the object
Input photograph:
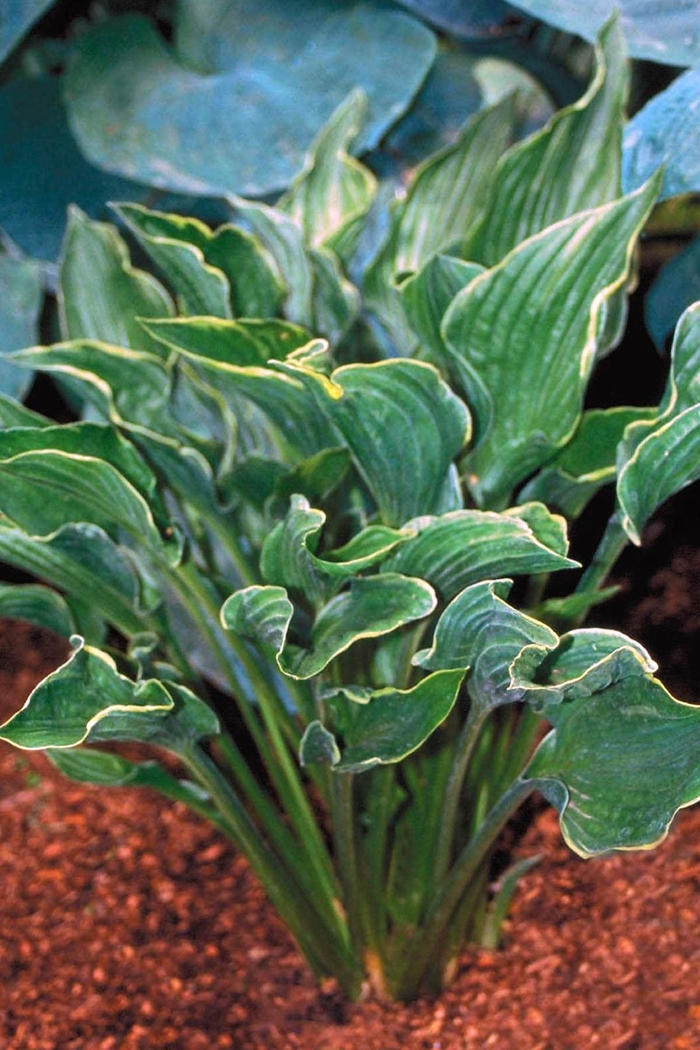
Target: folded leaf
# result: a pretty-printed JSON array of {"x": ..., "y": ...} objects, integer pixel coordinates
[
  {"x": 403, "y": 426},
  {"x": 584, "y": 662},
  {"x": 619, "y": 764},
  {"x": 390, "y": 726},
  {"x": 372, "y": 607},
  {"x": 661, "y": 456},
  {"x": 426, "y": 296},
  {"x": 101, "y": 294},
  {"x": 288, "y": 556},
  {"x": 530, "y": 323},
  {"x": 478, "y": 629},
  {"x": 458, "y": 549}
]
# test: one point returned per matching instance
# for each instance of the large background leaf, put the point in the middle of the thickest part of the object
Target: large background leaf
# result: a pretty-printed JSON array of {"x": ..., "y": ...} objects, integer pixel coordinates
[
  {"x": 662, "y": 30},
  {"x": 667, "y": 131},
  {"x": 276, "y": 72},
  {"x": 16, "y": 19},
  {"x": 21, "y": 296}
]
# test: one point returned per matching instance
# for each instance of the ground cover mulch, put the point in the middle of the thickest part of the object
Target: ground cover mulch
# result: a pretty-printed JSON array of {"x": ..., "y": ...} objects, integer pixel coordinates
[{"x": 127, "y": 923}]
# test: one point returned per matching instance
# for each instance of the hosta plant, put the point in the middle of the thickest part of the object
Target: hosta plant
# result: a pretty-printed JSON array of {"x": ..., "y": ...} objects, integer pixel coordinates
[{"x": 302, "y": 533}]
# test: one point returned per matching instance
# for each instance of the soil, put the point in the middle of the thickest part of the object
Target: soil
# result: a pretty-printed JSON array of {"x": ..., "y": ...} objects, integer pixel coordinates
[{"x": 127, "y": 923}]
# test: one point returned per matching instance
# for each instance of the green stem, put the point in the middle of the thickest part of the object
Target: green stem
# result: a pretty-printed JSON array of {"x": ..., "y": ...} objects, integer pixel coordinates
[
  {"x": 323, "y": 951},
  {"x": 346, "y": 852},
  {"x": 273, "y": 749},
  {"x": 432, "y": 931},
  {"x": 464, "y": 748},
  {"x": 611, "y": 546}
]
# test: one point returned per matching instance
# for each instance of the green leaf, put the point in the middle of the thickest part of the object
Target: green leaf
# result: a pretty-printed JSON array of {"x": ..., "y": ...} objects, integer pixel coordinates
[
  {"x": 403, "y": 426},
  {"x": 660, "y": 30},
  {"x": 619, "y": 764},
  {"x": 336, "y": 300},
  {"x": 426, "y": 296},
  {"x": 447, "y": 198},
  {"x": 456, "y": 550},
  {"x": 230, "y": 354},
  {"x": 530, "y": 323},
  {"x": 587, "y": 463},
  {"x": 13, "y": 414},
  {"x": 174, "y": 244},
  {"x": 389, "y": 726},
  {"x": 84, "y": 562},
  {"x": 80, "y": 472},
  {"x": 67, "y": 705},
  {"x": 87, "y": 699},
  {"x": 479, "y": 630},
  {"x": 21, "y": 297},
  {"x": 17, "y": 19},
  {"x": 571, "y": 165},
  {"x": 288, "y": 557},
  {"x": 665, "y": 132},
  {"x": 372, "y": 607},
  {"x": 659, "y": 457},
  {"x": 331, "y": 197},
  {"x": 230, "y": 268},
  {"x": 101, "y": 295},
  {"x": 584, "y": 662},
  {"x": 90, "y": 766},
  {"x": 244, "y": 125},
  {"x": 37, "y": 605}
]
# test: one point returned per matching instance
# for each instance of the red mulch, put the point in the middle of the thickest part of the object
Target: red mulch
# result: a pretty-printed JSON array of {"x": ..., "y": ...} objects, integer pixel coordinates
[{"x": 127, "y": 923}]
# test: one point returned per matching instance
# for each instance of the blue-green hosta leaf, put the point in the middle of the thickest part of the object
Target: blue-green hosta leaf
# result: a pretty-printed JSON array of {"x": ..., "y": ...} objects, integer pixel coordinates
[
  {"x": 336, "y": 301},
  {"x": 619, "y": 764},
  {"x": 665, "y": 131},
  {"x": 659, "y": 457},
  {"x": 21, "y": 296},
  {"x": 86, "y": 564},
  {"x": 372, "y": 607},
  {"x": 37, "y": 605},
  {"x": 661, "y": 30},
  {"x": 174, "y": 245},
  {"x": 467, "y": 546},
  {"x": 403, "y": 426},
  {"x": 36, "y": 194},
  {"x": 587, "y": 463},
  {"x": 244, "y": 128},
  {"x": 87, "y": 699},
  {"x": 101, "y": 295},
  {"x": 288, "y": 557},
  {"x": 530, "y": 323},
  {"x": 447, "y": 198},
  {"x": 572, "y": 164},
  {"x": 387, "y": 728},
  {"x": 478, "y": 629},
  {"x": 676, "y": 287},
  {"x": 426, "y": 296},
  {"x": 124, "y": 385},
  {"x": 215, "y": 348},
  {"x": 242, "y": 342},
  {"x": 90, "y": 766},
  {"x": 230, "y": 268},
  {"x": 13, "y": 414},
  {"x": 334, "y": 192},
  {"x": 80, "y": 472},
  {"x": 16, "y": 21},
  {"x": 474, "y": 20},
  {"x": 584, "y": 662}
]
